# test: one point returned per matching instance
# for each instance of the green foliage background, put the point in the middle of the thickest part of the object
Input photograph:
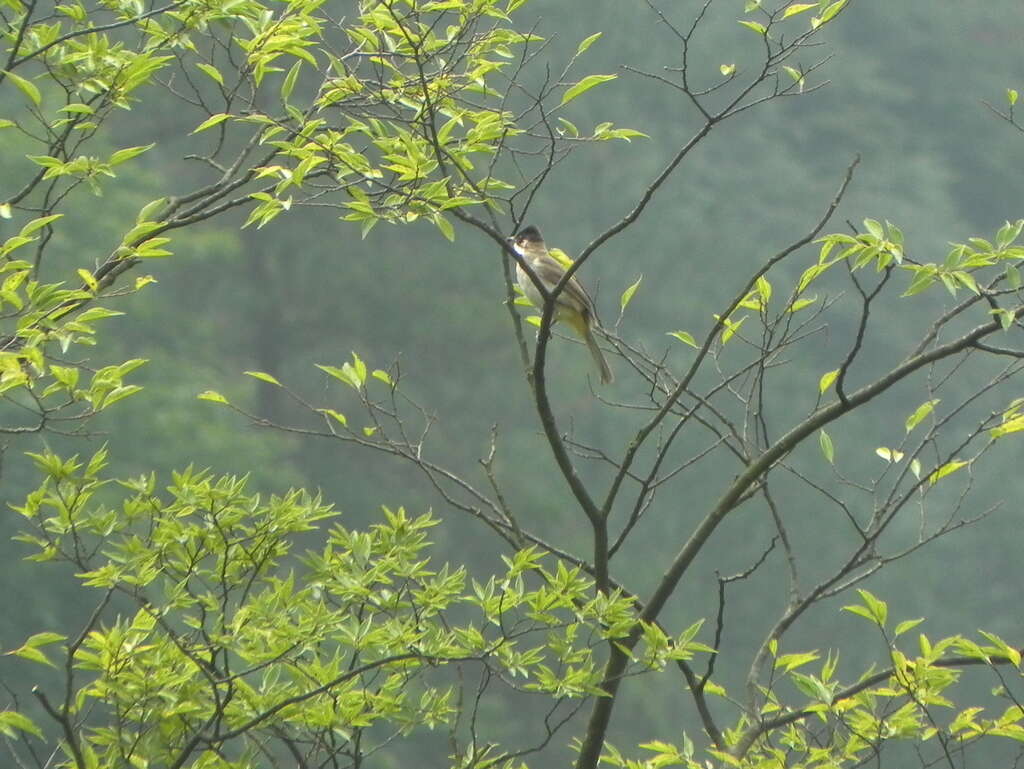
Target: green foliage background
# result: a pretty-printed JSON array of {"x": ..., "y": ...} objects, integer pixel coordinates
[{"x": 907, "y": 84}]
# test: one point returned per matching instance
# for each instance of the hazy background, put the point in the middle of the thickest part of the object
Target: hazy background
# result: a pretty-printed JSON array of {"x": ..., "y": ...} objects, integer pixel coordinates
[{"x": 906, "y": 91}]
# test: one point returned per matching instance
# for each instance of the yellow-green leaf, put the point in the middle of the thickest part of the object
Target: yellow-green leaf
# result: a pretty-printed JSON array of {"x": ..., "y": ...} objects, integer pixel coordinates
[
  {"x": 337, "y": 416},
  {"x": 827, "y": 448},
  {"x": 879, "y": 609},
  {"x": 27, "y": 87},
  {"x": 889, "y": 455},
  {"x": 627, "y": 295},
  {"x": 828, "y": 14},
  {"x": 946, "y": 469},
  {"x": 263, "y": 377},
  {"x": 444, "y": 226},
  {"x": 922, "y": 411},
  {"x": 685, "y": 337},
  {"x": 1013, "y": 276},
  {"x": 213, "y": 396},
  {"x": 907, "y": 624},
  {"x": 89, "y": 279},
  {"x": 585, "y": 85},
  {"x": 128, "y": 153},
  {"x": 212, "y": 71},
  {"x": 38, "y": 224},
  {"x": 588, "y": 42},
  {"x": 11, "y": 720},
  {"x": 796, "y": 8},
  {"x": 289, "y": 81},
  {"x": 211, "y": 121}
]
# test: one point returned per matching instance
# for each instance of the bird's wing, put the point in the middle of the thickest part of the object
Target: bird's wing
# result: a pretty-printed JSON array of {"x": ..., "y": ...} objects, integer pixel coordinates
[{"x": 550, "y": 272}]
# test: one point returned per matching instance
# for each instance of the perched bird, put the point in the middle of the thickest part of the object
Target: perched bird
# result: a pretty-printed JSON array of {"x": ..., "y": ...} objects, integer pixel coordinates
[{"x": 572, "y": 305}]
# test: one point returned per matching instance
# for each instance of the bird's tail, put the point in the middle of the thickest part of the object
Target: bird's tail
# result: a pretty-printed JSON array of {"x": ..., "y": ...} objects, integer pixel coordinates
[{"x": 595, "y": 352}]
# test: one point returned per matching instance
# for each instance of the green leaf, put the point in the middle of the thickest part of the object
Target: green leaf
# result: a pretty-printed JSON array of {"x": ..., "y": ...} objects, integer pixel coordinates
[
  {"x": 337, "y": 416},
  {"x": 447, "y": 128},
  {"x": 213, "y": 396},
  {"x": 1008, "y": 233},
  {"x": 1014, "y": 425},
  {"x": 1004, "y": 648},
  {"x": 727, "y": 69},
  {"x": 731, "y": 327},
  {"x": 907, "y": 624},
  {"x": 825, "y": 441},
  {"x": 759, "y": 28},
  {"x": 570, "y": 128},
  {"x": 211, "y": 121},
  {"x": 353, "y": 374},
  {"x": 588, "y": 42},
  {"x": 946, "y": 469},
  {"x": 147, "y": 211},
  {"x": 828, "y": 15},
  {"x": 128, "y": 153},
  {"x": 212, "y": 71},
  {"x": 685, "y": 337},
  {"x": 263, "y": 377},
  {"x": 590, "y": 81},
  {"x": 444, "y": 226},
  {"x": 878, "y": 608},
  {"x": 77, "y": 109},
  {"x": 27, "y": 87},
  {"x": 44, "y": 639},
  {"x": 812, "y": 687},
  {"x": 32, "y": 654},
  {"x": 922, "y": 411},
  {"x": 11, "y": 722},
  {"x": 289, "y": 80},
  {"x": 118, "y": 393},
  {"x": 788, "y": 662},
  {"x": 5, "y": 211},
  {"x": 1005, "y": 317},
  {"x": 38, "y": 224},
  {"x": 627, "y": 295},
  {"x": 1013, "y": 276},
  {"x": 875, "y": 228},
  {"x": 627, "y": 134},
  {"x": 827, "y": 380},
  {"x": 796, "y": 8},
  {"x": 889, "y": 455},
  {"x": 89, "y": 279}
]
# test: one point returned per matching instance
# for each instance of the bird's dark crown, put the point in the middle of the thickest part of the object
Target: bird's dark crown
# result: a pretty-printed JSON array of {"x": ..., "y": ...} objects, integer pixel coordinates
[{"x": 529, "y": 234}]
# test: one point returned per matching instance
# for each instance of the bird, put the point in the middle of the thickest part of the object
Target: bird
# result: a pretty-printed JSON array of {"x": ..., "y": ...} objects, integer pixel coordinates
[{"x": 572, "y": 304}]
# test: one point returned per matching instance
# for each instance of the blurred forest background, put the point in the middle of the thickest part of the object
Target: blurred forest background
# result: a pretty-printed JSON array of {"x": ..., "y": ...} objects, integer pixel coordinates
[{"x": 907, "y": 82}]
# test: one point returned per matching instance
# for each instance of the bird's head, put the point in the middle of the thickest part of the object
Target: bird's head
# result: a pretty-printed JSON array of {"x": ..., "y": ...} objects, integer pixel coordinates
[{"x": 527, "y": 239}]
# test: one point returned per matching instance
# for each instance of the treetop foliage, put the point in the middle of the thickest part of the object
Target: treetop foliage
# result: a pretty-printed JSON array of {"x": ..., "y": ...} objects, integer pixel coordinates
[{"x": 232, "y": 628}]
